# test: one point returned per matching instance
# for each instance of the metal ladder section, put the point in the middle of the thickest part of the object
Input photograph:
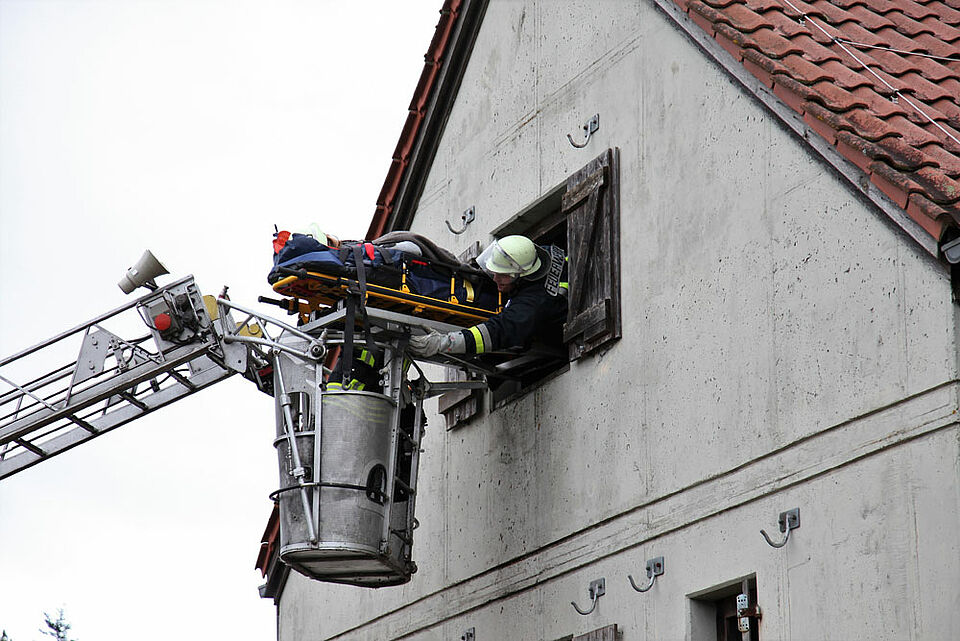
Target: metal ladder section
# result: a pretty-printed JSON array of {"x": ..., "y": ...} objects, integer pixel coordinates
[{"x": 113, "y": 380}]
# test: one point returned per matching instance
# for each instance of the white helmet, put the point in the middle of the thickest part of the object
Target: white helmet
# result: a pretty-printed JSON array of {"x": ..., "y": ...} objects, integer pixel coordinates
[{"x": 514, "y": 256}]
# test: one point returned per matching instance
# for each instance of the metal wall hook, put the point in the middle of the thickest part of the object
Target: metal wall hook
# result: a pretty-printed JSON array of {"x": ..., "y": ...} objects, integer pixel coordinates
[
  {"x": 597, "y": 589},
  {"x": 467, "y": 217},
  {"x": 789, "y": 520},
  {"x": 589, "y": 128},
  {"x": 654, "y": 569}
]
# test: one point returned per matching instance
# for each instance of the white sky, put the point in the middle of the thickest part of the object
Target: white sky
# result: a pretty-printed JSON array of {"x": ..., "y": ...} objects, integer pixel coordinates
[{"x": 188, "y": 127}]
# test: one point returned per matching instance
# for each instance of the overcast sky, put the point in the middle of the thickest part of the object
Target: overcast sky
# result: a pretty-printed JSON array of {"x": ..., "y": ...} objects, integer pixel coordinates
[{"x": 188, "y": 127}]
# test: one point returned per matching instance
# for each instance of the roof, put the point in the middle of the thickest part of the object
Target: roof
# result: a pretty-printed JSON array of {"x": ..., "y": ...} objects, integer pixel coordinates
[
  {"x": 444, "y": 64},
  {"x": 879, "y": 80}
]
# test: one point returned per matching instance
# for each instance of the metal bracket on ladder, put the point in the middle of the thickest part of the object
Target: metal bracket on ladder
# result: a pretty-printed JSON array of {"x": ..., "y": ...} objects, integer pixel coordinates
[{"x": 113, "y": 381}]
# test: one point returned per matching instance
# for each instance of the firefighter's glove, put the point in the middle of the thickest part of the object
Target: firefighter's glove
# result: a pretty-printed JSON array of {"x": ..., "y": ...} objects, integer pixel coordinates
[{"x": 435, "y": 343}]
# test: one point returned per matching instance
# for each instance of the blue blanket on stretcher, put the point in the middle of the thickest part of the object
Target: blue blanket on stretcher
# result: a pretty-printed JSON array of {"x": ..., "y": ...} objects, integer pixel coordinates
[{"x": 387, "y": 266}]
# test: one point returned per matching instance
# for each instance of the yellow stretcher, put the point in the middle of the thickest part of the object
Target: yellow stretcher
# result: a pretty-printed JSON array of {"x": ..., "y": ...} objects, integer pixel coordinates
[{"x": 315, "y": 291}]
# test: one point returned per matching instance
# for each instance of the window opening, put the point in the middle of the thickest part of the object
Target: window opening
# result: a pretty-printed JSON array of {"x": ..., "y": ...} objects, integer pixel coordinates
[
  {"x": 544, "y": 223},
  {"x": 726, "y": 613}
]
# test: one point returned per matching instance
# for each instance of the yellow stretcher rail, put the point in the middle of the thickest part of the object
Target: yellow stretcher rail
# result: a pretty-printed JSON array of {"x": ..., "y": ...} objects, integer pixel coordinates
[{"x": 317, "y": 290}]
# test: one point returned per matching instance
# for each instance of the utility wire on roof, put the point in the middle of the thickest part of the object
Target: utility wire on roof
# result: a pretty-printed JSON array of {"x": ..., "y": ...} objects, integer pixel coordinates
[
  {"x": 863, "y": 45},
  {"x": 804, "y": 17}
]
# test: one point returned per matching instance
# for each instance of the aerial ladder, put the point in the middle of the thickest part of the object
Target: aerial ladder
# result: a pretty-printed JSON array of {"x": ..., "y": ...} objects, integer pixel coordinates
[{"x": 348, "y": 459}]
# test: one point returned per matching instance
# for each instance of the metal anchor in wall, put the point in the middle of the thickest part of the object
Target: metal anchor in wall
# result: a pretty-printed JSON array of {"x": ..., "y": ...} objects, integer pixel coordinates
[
  {"x": 589, "y": 128},
  {"x": 789, "y": 520},
  {"x": 597, "y": 589},
  {"x": 466, "y": 217},
  {"x": 654, "y": 569}
]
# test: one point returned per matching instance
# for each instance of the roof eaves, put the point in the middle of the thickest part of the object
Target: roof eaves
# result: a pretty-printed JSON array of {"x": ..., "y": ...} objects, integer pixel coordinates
[
  {"x": 444, "y": 64},
  {"x": 806, "y": 111}
]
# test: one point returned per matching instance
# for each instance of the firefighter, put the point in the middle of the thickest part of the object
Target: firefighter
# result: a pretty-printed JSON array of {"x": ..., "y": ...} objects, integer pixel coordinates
[{"x": 529, "y": 277}]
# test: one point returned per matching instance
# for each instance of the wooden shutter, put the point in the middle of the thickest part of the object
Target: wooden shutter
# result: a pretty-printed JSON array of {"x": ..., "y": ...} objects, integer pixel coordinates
[
  {"x": 607, "y": 633},
  {"x": 591, "y": 205},
  {"x": 459, "y": 406}
]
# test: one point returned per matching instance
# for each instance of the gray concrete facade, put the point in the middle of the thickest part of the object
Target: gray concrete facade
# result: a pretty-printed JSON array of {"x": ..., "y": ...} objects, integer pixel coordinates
[{"x": 784, "y": 345}]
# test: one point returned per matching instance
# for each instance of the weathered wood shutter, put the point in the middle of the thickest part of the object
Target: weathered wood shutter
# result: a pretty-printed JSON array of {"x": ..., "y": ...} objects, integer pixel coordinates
[
  {"x": 592, "y": 208},
  {"x": 459, "y": 406}
]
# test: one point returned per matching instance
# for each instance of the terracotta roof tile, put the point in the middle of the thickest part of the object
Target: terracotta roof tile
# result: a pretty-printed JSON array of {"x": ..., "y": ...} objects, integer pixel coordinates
[
  {"x": 855, "y": 32},
  {"x": 911, "y": 133},
  {"x": 891, "y": 62},
  {"x": 950, "y": 109},
  {"x": 879, "y": 105},
  {"x": 943, "y": 13},
  {"x": 825, "y": 11},
  {"x": 932, "y": 217},
  {"x": 814, "y": 50},
  {"x": 937, "y": 186},
  {"x": 916, "y": 84},
  {"x": 761, "y": 66},
  {"x": 836, "y": 98},
  {"x": 867, "y": 19},
  {"x": 911, "y": 9},
  {"x": 784, "y": 25},
  {"x": 949, "y": 139},
  {"x": 906, "y": 156},
  {"x": 869, "y": 126},
  {"x": 745, "y": 19},
  {"x": 827, "y": 123},
  {"x": 804, "y": 70},
  {"x": 935, "y": 47},
  {"x": 942, "y": 30},
  {"x": 899, "y": 154},
  {"x": 847, "y": 4},
  {"x": 773, "y": 44},
  {"x": 893, "y": 38},
  {"x": 908, "y": 26},
  {"x": 949, "y": 163}
]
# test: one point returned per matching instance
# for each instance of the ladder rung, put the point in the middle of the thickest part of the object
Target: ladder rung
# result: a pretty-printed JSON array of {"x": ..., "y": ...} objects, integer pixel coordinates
[{"x": 30, "y": 446}]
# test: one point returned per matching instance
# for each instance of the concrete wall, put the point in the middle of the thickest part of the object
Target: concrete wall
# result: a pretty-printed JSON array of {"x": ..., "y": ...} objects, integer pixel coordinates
[{"x": 783, "y": 346}]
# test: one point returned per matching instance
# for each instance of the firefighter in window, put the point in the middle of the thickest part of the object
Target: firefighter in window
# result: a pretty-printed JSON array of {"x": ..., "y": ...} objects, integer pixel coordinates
[{"x": 530, "y": 277}]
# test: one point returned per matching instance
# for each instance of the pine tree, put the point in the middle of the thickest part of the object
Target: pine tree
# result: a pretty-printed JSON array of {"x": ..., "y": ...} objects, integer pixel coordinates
[{"x": 57, "y": 629}]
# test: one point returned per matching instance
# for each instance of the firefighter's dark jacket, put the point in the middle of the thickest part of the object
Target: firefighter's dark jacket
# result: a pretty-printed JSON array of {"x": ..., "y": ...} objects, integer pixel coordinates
[{"x": 531, "y": 314}]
